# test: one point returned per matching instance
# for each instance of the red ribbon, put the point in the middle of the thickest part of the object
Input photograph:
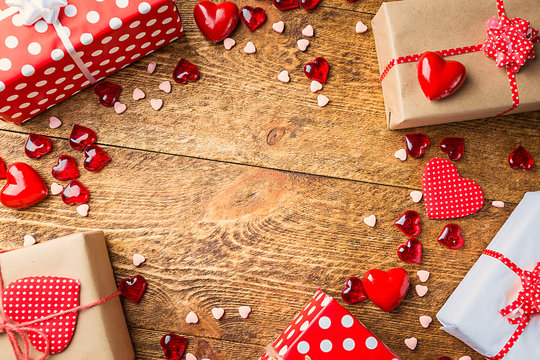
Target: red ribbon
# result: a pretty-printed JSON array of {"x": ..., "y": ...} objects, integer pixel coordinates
[
  {"x": 527, "y": 302},
  {"x": 510, "y": 43}
]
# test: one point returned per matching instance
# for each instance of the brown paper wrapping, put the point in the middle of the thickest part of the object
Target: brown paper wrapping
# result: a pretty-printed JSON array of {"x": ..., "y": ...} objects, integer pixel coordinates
[
  {"x": 101, "y": 332},
  {"x": 415, "y": 26}
]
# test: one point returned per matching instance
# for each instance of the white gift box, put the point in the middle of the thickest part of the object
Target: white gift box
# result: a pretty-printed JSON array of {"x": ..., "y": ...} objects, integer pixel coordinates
[{"x": 472, "y": 311}]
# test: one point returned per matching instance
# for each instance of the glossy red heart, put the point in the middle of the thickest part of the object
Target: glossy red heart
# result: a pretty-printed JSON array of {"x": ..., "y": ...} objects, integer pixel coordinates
[
  {"x": 24, "y": 187},
  {"x": 65, "y": 168},
  {"x": 309, "y": 4},
  {"x": 174, "y": 346},
  {"x": 133, "y": 289},
  {"x": 81, "y": 136},
  {"x": 216, "y": 21},
  {"x": 317, "y": 70},
  {"x": 37, "y": 145},
  {"x": 75, "y": 193},
  {"x": 416, "y": 144},
  {"x": 95, "y": 158},
  {"x": 386, "y": 289},
  {"x": 185, "y": 71},
  {"x": 2, "y": 169},
  {"x": 411, "y": 252},
  {"x": 286, "y": 4},
  {"x": 521, "y": 159},
  {"x": 438, "y": 77},
  {"x": 453, "y": 147},
  {"x": 409, "y": 223},
  {"x": 107, "y": 92},
  {"x": 252, "y": 17},
  {"x": 451, "y": 237},
  {"x": 354, "y": 291}
]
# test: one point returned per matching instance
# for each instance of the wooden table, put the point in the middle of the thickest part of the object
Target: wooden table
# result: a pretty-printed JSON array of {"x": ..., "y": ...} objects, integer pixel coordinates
[{"x": 242, "y": 191}]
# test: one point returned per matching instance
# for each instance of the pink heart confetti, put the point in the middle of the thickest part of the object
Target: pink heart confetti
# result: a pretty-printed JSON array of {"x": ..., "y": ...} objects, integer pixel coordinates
[
  {"x": 278, "y": 27},
  {"x": 29, "y": 240},
  {"x": 465, "y": 358},
  {"x": 165, "y": 86},
  {"x": 497, "y": 204},
  {"x": 217, "y": 313},
  {"x": 228, "y": 43},
  {"x": 54, "y": 122},
  {"x": 119, "y": 108},
  {"x": 425, "y": 321},
  {"x": 244, "y": 311},
  {"x": 315, "y": 86},
  {"x": 190, "y": 356},
  {"x": 322, "y": 100},
  {"x": 56, "y": 188},
  {"x": 401, "y": 154},
  {"x": 416, "y": 196},
  {"x": 250, "y": 48},
  {"x": 156, "y": 104},
  {"x": 151, "y": 67},
  {"x": 138, "y": 94},
  {"x": 138, "y": 259},
  {"x": 411, "y": 343},
  {"x": 308, "y": 31},
  {"x": 83, "y": 210},
  {"x": 361, "y": 27},
  {"x": 192, "y": 318},
  {"x": 284, "y": 76},
  {"x": 371, "y": 220},
  {"x": 423, "y": 275},
  {"x": 302, "y": 44},
  {"x": 421, "y": 290}
]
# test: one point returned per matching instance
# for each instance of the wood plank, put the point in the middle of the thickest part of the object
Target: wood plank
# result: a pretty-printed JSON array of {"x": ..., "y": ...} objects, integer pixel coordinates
[{"x": 218, "y": 234}]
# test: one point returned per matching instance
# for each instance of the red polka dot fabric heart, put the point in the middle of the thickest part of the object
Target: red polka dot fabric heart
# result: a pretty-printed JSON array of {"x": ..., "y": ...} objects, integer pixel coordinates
[
  {"x": 33, "y": 298},
  {"x": 446, "y": 194}
]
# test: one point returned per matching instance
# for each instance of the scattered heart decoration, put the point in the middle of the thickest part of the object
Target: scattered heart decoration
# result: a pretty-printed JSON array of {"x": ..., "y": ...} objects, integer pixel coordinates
[
  {"x": 133, "y": 289},
  {"x": 37, "y": 145},
  {"x": 174, "y": 346},
  {"x": 439, "y": 78},
  {"x": 65, "y": 168},
  {"x": 354, "y": 291},
  {"x": 309, "y": 4},
  {"x": 75, "y": 193},
  {"x": 411, "y": 252},
  {"x": 2, "y": 169},
  {"x": 24, "y": 187},
  {"x": 416, "y": 144},
  {"x": 521, "y": 159},
  {"x": 453, "y": 147},
  {"x": 185, "y": 71},
  {"x": 216, "y": 21},
  {"x": 286, "y": 4},
  {"x": 107, "y": 92},
  {"x": 95, "y": 158},
  {"x": 451, "y": 237},
  {"x": 252, "y": 17},
  {"x": 409, "y": 223},
  {"x": 317, "y": 70},
  {"x": 386, "y": 289},
  {"x": 81, "y": 136}
]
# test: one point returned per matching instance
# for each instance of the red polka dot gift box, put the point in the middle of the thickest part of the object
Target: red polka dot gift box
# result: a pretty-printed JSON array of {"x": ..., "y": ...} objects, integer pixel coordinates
[
  {"x": 52, "y": 49},
  {"x": 325, "y": 330}
]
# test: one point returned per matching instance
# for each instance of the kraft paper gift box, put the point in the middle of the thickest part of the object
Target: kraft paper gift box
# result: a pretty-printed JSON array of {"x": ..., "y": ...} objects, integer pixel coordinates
[
  {"x": 415, "y": 26},
  {"x": 472, "y": 313}
]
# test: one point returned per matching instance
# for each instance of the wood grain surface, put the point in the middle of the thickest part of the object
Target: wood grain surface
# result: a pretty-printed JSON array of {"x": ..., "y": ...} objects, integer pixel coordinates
[{"x": 242, "y": 191}]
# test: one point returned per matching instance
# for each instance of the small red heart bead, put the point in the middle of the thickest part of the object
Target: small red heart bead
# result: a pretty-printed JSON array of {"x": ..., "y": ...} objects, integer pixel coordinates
[
  {"x": 252, "y": 17},
  {"x": 521, "y": 159},
  {"x": 415, "y": 144},
  {"x": 65, "y": 168},
  {"x": 37, "y": 146},
  {"x": 409, "y": 223},
  {"x": 439, "y": 78},
  {"x": 451, "y": 237},
  {"x": 133, "y": 289},
  {"x": 2, "y": 169},
  {"x": 95, "y": 158},
  {"x": 24, "y": 187},
  {"x": 386, "y": 289},
  {"x": 453, "y": 147},
  {"x": 185, "y": 71},
  {"x": 216, "y": 21},
  {"x": 81, "y": 137},
  {"x": 317, "y": 70},
  {"x": 354, "y": 291},
  {"x": 107, "y": 92},
  {"x": 286, "y": 4},
  {"x": 444, "y": 358},
  {"x": 75, "y": 193},
  {"x": 309, "y": 4},
  {"x": 411, "y": 252},
  {"x": 174, "y": 346}
]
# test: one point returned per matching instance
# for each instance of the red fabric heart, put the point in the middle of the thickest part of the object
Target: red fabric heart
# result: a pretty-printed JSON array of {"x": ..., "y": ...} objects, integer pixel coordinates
[
  {"x": 133, "y": 289},
  {"x": 24, "y": 187},
  {"x": 216, "y": 21},
  {"x": 438, "y": 77},
  {"x": 41, "y": 296},
  {"x": 446, "y": 194},
  {"x": 252, "y": 17},
  {"x": 317, "y": 70},
  {"x": 386, "y": 289},
  {"x": 411, "y": 252}
]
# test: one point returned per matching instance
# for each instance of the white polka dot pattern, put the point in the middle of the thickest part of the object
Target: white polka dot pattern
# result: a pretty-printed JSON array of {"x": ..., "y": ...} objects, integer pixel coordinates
[
  {"x": 33, "y": 298},
  {"x": 446, "y": 194},
  {"x": 325, "y": 330}
]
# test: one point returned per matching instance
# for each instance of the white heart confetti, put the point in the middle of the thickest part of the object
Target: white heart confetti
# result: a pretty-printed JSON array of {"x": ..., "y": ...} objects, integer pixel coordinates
[
  {"x": 190, "y": 356},
  {"x": 425, "y": 321},
  {"x": 138, "y": 259},
  {"x": 322, "y": 100},
  {"x": 156, "y": 104},
  {"x": 416, "y": 196},
  {"x": 315, "y": 86},
  {"x": 423, "y": 275},
  {"x": 228, "y": 43},
  {"x": 244, "y": 311},
  {"x": 165, "y": 86},
  {"x": 302, "y": 44},
  {"x": 284, "y": 76},
  {"x": 371, "y": 220},
  {"x": 250, "y": 48},
  {"x": 421, "y": 290},
  {"x": 217, "y": 313},
  {"x": 411, "y": 343},
  {"x": 465, "y": 358},
  {"x": 497, "y": 204},
  {"x": 54, "y": 122},
  {"x": 29, "y": 240},
  {"x": 56, "y": 188},
  {"x": 401, "y": 154},
  {"x": 151, "y": 67},
  {"x": 83, "y": 210},
  {"x": 308, "y": 31},
  {"x": 138, "y": 94},
  {"x": 361, "y": 27},
  {"x": 278, "y": 27},
  {"x": 192, "y": 318},
  {"x": 119, "y": 108}
]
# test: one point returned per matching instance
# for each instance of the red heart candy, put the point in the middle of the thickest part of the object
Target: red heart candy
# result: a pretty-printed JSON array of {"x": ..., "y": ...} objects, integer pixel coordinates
[
  {"x": 95, "y": 158},
  {"x": 185, "y": 71},
  {"x": 354, "y": 291},
  {"x": 133, "y": 289},
  {"x": 521, "y": 159},
  {"x": 451, "y": 237},
  {"x": 446, "y": 194},
  {"x": 75, "y": 193},
  {"x": 386, "y": 289},
  {"x": 252, "y": 17},
  {"x": 216, "y": 21},
  {"x": 2, "y": 169},
  {"x": 453, "y": 147},
  {"x": 174, "y": 346},
  {"x": 317, "y": 70},
  {"x": 37, "y": 146},
  {"x": 409, "y": 223},
  {"x": 24, "y": 187},
  {"x": 438, "y": 77},
  {"x": 107, "y": 92},
  {"x": 309, "y": 4},
  {"x": 81, "y": 137},
  {"x": 65, "y": 168},
  {"x": 411, "y": 252},
  {"x": 415, "y": 144},
  {"x": 286, "y": 4}
]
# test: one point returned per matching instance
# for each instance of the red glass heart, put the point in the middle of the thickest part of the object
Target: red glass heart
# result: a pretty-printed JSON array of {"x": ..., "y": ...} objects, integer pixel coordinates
[
  {"x": 439, "y": 78},
  {"x": 317, "y": 70},
  {"x": 95, "y": 158},
  {"x": 2, "y": 169},
  {"x": 185, "y": 71},
  {"x": 521, "y": 159},
  {"x": 309, "y": 4},
  {"x": 24, "y": 187},
  {"x": 37, "y": 146},
  {"x": 81, "y": 137},
  {"x": 107, "y": 92},
  {"x": 409, "y": 223},
  {"x": 133, "y": 289},
  {"x": 75, "y": 193},
  {"x": 453, "y": 147},
  {"x": 216, "y": 21},
  {"x": 444, "y": 358},
  {"x": 411, "y": 252},
  {"x": 174, "y": 346},
  {"x": 65, "y": 168},
  {"x": 415, "y": 144},
  {"x": 286, "y": 4},
  {"x": 252, "y": 17},
  {"x": 451, "y": 237},
  {"x": 354, "y": 291},
  {"x": 386, "y": 289}
]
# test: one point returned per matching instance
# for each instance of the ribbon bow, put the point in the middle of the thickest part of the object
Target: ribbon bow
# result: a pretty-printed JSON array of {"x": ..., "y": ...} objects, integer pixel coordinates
[
  {"x": 34, "y": 10},
  {"x": 528, "y": 300}
]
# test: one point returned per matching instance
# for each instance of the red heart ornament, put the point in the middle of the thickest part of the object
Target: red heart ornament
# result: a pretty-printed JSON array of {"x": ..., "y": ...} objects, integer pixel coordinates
[
  {"x": 416, "y": 144},
  {"x": 439, "y": 78},
  {"x": 453, "y": 147},
  {"x": 409, "y": 223},
  {"x": 386, "y": 289},
  {"x": 133, "y": 289},
  {"x": 451, "y": 237},
  {"x": 24, "y": 187},
  {"x": 65, "y": 168},
  {"x": 252, "y": 17},
  {"x": 411, "y": 252},
  {"x": 521, "y": 159},
  {"x": 354, "y": 291},
  {"x": 2, "y": 169},
  {"x": 81, "y": 136},
  {"x": 446, "y": 194},
  {"x": 317, "y": 70},
  {"x": 174, "y": 346},
  {"x": 216, "y": 21},
  {"x": 286, "y": 4},
  {"x": 185, "y": 71},
  {"x": 28, "y": 294},
  {"x": 95, "y": 158},
  {"x": 309, "y": 4},
  {"x": 107, "y": 92},
  {"x": 75, "y": 193},
  {"x": 37, "y": 145}
]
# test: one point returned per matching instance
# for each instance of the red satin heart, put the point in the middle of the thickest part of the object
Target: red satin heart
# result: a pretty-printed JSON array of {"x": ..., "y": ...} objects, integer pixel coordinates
[
  {"x": 354, "y": 291},
  {"x": 386, "y": 289},
  {"x": 286, "y": 4},
  {"x": 438, "y": 77},
  {"x": 317, "y": 70},
  {"x": 451, "y": 237},
  {"x": 252, "y": 17},
  {"x": 24, "y": 187},
  {"x": 65, "y": 168},
  {"x": 453, "y": 147},
  {"x": 216, "y": 21},
  {"x": 309, "y": 4},
  {"x": 133, "y": 289},
  {"x": 409, "y": 223},
  {"x": 2, "y": 169},
  {"x": 174, "y": 346},
  {"x": 81, "y": 136},
  {"x": 521, "y": 159},
  {"x": 185, "y": 71},
  {"x": 411, "y": 252},
  {"x": 416, "y": 144},
  {"x": 107, "y": 92},
  {"x": 95, "y": 158},
  {"x": 75, "y": 193},
  {"x": 37, "y": 145}
]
